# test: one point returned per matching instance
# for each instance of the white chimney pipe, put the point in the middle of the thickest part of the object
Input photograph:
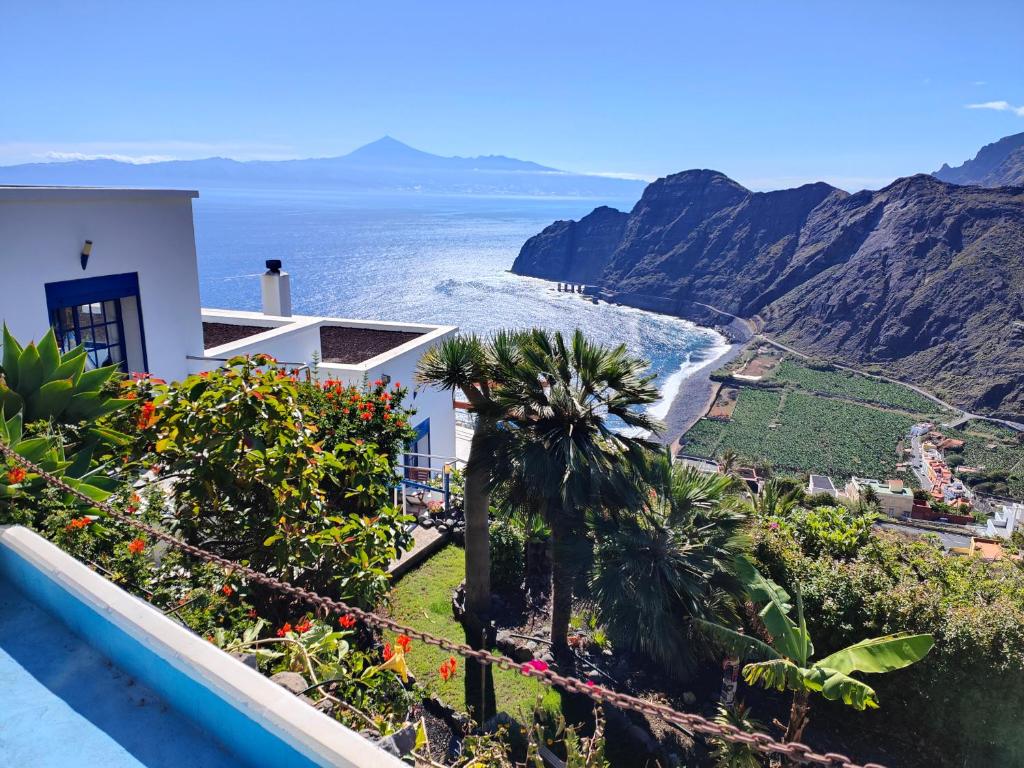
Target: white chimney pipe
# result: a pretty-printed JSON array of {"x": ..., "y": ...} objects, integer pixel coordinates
[{"x": 277, "y": 290}]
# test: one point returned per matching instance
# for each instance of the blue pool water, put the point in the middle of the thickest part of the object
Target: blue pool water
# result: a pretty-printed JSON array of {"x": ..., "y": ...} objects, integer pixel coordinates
[{"x": 65, "y": 704}]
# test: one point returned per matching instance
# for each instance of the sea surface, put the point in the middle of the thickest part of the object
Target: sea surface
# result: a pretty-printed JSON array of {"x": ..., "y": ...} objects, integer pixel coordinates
[{"x": 422, "y": 258}]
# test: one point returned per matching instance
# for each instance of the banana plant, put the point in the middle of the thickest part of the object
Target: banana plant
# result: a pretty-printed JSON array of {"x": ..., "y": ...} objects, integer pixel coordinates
[
  {"x": 786, "y": 663},
  {"x": 44, "y": 383}
]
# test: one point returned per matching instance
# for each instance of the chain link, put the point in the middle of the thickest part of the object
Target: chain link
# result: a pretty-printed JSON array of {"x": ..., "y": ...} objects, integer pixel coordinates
[{"x": 794, "y": 751}]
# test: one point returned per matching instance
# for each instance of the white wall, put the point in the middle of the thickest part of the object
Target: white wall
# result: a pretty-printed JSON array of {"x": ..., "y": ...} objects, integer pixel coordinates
[{"x": 42, "y": 231}]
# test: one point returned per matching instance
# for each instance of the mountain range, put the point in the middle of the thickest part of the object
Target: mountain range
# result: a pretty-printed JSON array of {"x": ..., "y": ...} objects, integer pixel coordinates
[
  {"x": 923, "y": 279},
  {"x": 999, "y": 164},
  {"x": 385, "y": 165}
]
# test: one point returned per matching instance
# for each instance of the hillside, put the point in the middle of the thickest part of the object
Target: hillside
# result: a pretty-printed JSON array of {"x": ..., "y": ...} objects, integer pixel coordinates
[
  {"x": 923, "y": 279},
  {"x": 999, "y": 164},
  {"x": 383, "y": 166}
]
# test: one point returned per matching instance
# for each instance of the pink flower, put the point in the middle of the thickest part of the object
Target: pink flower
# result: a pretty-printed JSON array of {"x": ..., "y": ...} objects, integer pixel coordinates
[{"x": 535, "y": 665}]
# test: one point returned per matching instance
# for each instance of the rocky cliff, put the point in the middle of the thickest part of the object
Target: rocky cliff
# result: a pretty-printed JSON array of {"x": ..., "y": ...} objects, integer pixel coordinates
[
  {"x": 923, "y": 279},
  {"x": 1000, "y": 164}
]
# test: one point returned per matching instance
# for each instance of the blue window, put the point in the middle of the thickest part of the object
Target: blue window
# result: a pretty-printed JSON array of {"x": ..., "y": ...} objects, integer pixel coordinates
[
  {"x": 418, "y": 450},
  {"x": 92, "y": 312}
]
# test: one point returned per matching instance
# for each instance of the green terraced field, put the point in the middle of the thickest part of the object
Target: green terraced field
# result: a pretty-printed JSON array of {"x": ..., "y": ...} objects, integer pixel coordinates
[
  {"x": 854, "y": 387},
  {"x": 994, "y": 448},
  {"x": 802, "y": 432}
]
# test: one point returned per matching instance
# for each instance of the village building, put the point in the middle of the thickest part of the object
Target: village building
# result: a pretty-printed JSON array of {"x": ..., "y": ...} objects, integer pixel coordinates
[{"x": 894, "y": 499}]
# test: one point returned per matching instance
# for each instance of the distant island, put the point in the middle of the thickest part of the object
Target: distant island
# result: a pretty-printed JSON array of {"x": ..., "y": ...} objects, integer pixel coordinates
[
  {"x": 383, "y": 166},
  {"x": 922, "y": 280}
]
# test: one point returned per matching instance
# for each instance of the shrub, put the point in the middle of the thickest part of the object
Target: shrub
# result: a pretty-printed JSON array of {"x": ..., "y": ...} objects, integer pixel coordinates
[
  {"x": 254, "y": 481},
  {"x": 507, "y": 555},
  {"x": 348, "y": 414},
  {"x": 975, "y": 610},
  {"x": 829, "y": 530}
]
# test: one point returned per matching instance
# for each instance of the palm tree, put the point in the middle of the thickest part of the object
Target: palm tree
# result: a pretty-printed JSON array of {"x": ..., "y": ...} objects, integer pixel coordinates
[
  {"x": 670, "y": 562},
  {"x": 786, "y": 664},
  {"x": 773, "y": 500},
  {"x": 469, "y": 364},
  {"x": 563, "y": 401}
]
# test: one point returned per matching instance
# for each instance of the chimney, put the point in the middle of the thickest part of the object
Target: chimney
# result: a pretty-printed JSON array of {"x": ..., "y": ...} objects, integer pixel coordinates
[{"x": 277, "y": 290}]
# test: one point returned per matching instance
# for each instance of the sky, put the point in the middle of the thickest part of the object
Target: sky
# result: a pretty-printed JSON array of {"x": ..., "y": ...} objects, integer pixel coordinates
[{"x": 773, "y": 94}]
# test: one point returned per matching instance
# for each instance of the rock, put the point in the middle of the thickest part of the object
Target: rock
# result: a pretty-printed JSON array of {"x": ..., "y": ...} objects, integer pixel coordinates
[
  {"x": 401, "y": 742},
  {"x": 249, "y": 659},
  {"x": 918, "y": 277},
  {"x": 292, "y": 681}
]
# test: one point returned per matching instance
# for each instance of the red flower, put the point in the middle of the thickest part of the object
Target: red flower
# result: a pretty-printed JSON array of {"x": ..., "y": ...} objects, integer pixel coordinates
[
  {"x": 448, "y": 668},
  {"x": 78, "y": 523},
  {"x": 303, "y": 626},
  {"x": 251, "y": 613},
  {"x": 227, "y": 590},
  {"x": 404, "y": 641},
  {"x": 284, "y": 630},
  {"x": 347, "y": 621},
  {"x": 397, "y": 385},
  {"x": 146, "y": 416},
  {"x": 136, "y": 546},
  {"x": 378, "y": 383},
  {"x": 388, "y": 653},
  {"x": 16, "y": 475}
]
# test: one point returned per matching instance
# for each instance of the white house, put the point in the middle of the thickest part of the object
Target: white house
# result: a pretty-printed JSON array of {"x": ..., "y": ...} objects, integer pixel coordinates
[{"x": 115, "y": 270}]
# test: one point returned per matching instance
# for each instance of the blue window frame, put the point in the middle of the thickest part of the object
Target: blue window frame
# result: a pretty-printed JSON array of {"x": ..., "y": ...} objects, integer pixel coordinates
[{"x": 89, "y": 312}]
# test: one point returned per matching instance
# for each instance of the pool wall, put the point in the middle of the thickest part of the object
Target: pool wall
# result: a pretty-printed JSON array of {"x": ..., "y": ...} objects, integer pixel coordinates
[{"x": 259, "y": 721}]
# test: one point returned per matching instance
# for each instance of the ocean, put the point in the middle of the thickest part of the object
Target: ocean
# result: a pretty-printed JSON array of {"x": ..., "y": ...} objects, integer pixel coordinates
[{"x": 422, "y": 258}]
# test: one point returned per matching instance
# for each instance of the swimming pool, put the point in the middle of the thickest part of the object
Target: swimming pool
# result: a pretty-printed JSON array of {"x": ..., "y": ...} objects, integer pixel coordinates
[{"x": 91, "y": 676}]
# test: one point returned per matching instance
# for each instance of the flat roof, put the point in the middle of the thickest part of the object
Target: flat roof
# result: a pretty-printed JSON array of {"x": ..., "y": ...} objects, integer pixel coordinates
[
  {"x": 822, "y": 482},
  {"x": 346, "y": 345},
  {"x": 42, "y": 193}
]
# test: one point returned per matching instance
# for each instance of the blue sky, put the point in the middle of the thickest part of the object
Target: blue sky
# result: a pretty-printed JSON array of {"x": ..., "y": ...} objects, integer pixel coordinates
[{"x": 771, "y": 93}]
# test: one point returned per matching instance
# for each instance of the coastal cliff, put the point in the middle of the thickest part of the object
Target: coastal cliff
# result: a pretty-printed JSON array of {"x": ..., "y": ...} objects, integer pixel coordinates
[{"x": 922, "y": 279}]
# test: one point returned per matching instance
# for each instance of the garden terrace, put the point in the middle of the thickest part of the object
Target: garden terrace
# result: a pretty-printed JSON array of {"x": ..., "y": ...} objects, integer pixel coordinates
[{"x": 346, "y": 345}]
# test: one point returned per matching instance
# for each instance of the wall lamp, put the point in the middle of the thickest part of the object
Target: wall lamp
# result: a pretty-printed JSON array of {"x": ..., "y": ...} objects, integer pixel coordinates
[{"x": 86, "y": 250}]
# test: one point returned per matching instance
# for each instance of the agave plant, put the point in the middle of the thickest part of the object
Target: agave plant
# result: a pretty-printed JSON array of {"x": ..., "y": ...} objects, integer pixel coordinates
[
  {"x": 41, "y": 386},
  {"x": 43, "y": 383},
  {"x": 787, "y": 663}
]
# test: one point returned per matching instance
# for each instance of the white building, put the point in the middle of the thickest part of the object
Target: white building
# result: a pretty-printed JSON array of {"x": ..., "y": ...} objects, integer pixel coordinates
[
  {"x": 1006, "y": 521},
  {"x": 115, "y": 270},
  {"x": 822, "y": 484},
  {"x": 894, "y": 498}
]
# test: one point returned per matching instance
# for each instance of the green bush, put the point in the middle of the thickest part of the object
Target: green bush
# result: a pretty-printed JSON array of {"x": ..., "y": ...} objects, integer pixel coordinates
[
  {"x": 254, "y": 481},
  {"x": 507, "y": 558},
  {"x": 964, "y": 699},
  {"x": 828, "y": 530}
]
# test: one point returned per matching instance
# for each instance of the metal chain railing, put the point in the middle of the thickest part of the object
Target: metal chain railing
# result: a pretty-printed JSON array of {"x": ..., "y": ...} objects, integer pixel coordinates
[{"x": 794, "y": 751}]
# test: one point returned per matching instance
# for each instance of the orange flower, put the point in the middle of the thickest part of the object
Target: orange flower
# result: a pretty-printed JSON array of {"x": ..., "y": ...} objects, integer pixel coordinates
[
  {"x": 303, "y": 626},
  {"x": 78, "y": 523},
  {"x": 227, "y": 590},
  {"x": 136, "y": 546},
  {"x": 347, "y": 621},
  {"x": 16, "y": 475},
  {"x": 147, "y": 416},
  {"x": 404, "y": 642},
  {"x": 448, "y": 668},
  {"x": 388, "y": 652},
  {"x": 284, "y": 630}
]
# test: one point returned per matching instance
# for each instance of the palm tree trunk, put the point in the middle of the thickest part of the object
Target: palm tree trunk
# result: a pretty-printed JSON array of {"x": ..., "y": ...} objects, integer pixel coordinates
[
  {"x": 478, "y": 539},
  {"x": 561, "y": 587},
  {"x": 798, "y": 716}
]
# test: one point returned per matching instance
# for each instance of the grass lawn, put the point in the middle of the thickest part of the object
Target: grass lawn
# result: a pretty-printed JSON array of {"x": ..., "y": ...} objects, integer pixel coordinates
[{"x": 422, "y": 599}]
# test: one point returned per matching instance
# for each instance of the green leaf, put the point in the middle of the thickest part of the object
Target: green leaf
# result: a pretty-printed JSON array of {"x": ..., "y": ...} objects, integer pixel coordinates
[
  {"x": 785, "y": 634},
  {"x": 50, "y": 400},
  {"x": 30, "y": 370},
  {"x": 72, "y": 366},
  {"x": 744, "y": 647},
  {"x": 835, "y": 686},
  {"x": 761, "y": 589},
  {"x": 780, "y": 674},
  {"x": 879, "y": 654},
  {"x": 90, "y": 490},
  {"x": 11, "y": 401},
  {"x": 33, "y": 449},
  {"x": 49, "y": 354},
  {"x": 12, "y": 352},
  {"x": 92, "y": 381}
]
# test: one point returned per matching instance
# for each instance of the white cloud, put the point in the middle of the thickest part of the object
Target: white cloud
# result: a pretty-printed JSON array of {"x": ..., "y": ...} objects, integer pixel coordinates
[
  {"x": 12, "y": 153},
  {"x": 617, "y": 175},
  {"x": 63, "y": 157},
  {"x": 998, "y": 106}
]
